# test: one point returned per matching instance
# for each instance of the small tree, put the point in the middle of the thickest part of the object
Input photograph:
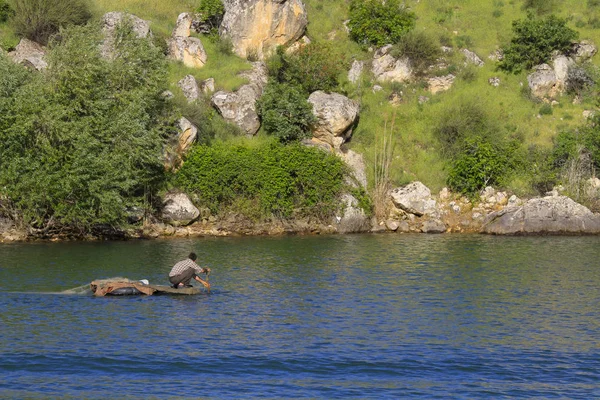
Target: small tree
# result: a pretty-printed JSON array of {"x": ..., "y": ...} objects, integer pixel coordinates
[
  {"x": 377, "y": 22},
  {"x": 285, "y": 112},
  {"x": 534, "y": 40},
  {"x": 210, "y": 14}
]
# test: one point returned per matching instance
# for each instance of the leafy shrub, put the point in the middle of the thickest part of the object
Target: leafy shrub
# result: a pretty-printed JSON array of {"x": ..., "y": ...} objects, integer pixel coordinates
[
  {"x": 480, "y": 164},
  {"x": 37, "y": 20},
  {"x": 465, "y": 119},
  {"x": 5, "y": 11},
  {"x": 210, "y": 14},
  {"x": 316, "y": 66},
  {"x": 534, "y": 40},
  {"x": 545, "y": 109},
  {"x": 579, "y": 80},
  {"x": 377, "y": 22},
  {"x": 285, "y": 112},
  {"x": 420, "y": 48},
  {"x": 77, "y": 152},
  {"x": 284, "y": 181}
]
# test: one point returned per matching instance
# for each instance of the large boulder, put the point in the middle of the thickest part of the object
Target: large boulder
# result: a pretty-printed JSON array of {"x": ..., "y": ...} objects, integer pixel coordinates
[
  {"x": 188, "y": 50},
  {"x": 112, "y": 20},
  {"x": 30, "y": 54},
  {"x": 183, "y": 26},
  {"x": 190, "y": 88},
  {"x": 356, "y": 71},
  {"x": 414, "y": 198},
  {"x": 356, "y": 163},
  {"x": 386, "y": 68},
  {"x": 353, "y": 218},
  {"x": 438, "y": 84},
  {"x": 550, "y": 81},
  {"x": 180, "y": 144},
  {"x": 336, "y": 115},
  {"x": 178, "y": 210},
  {"x": 257, "y": 27},
  {"x": 546, "y": 215},
  {"x": 239, "y": 107}
]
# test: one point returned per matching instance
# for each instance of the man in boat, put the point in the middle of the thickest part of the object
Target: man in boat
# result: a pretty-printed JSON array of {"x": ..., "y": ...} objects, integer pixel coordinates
[{"x": 182, "y": 273}]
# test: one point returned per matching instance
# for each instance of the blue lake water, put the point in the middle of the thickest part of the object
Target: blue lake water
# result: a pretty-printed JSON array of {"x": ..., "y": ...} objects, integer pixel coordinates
[{"x": 355, "y": 316}]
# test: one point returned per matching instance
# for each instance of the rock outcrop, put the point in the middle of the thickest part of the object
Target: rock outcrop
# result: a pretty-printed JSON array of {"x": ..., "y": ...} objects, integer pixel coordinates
[
  {"x": 355, "y": 71},
  {"x": 438, "y": 84},
  {"x": 239, "y": 107},
  {"x": 353, "y": 217},
  {"x": 180, "y": 144},
  {"x": 182, "y": 47},
  {"x": 257, "y": 27},
  {"x": 414, "y": 198},
  {"x": 30, "y": 54},
  {"x": 178, "y": 210},
  {"x": 112, "y": 20},
  {"x": 189, "y": 87},
  {"x": 546, "y": 215},
  {"x": 386, "y": 68},
  {"x": 336, "y": 115}
]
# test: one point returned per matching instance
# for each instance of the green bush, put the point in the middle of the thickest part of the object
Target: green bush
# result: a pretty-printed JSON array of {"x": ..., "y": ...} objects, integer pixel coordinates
[
  {"x": 283, "y": 181},
  {"x": 86, "y": 138},
  {"x": 377, "y": 22},
  {"x": 38, "y": 20},
  {"x": 5, "y": 11},
  {"x": 285, "y": 112},
  {"x": 420, "y": 48},
  {"x": 534, "y": 40},
  {"x": 316, "y": 66},
  {"x": 479, "y": 164},
  {"x": 210, "y": 13}
]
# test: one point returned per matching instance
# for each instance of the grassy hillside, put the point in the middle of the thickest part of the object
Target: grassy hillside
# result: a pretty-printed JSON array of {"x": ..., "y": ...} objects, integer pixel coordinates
[{"x": 482, "y": 27}]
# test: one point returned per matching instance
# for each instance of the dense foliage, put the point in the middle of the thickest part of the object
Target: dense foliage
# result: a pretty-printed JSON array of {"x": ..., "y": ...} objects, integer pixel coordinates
[
  {"x": 210, "y": 13},
  {"x": 285, "y": 113},
  {"x": 479, "y": 152},
  {"x": 377, "y": 22},
  {"x": 420, "y": 48},
  {"x": 38, "y": 20},
  {"x": 5, "y": 11},
  {"x": 82, "y": 142},
  {"x": 534, "y": 40},
  {"x": 316, "y": 66},
  {"x": 272, "y": 179}
]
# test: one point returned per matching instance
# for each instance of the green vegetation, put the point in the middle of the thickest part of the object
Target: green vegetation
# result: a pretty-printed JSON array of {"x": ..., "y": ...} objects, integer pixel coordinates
[
  {"x": 5, "y": 11},
  {"x": 75, "y": 153},
  {"x": 377, "y": 22},
  {"x": 38, "y": 20},
  {"x": 210, "y": 12},
  {"x": 285, "y": 112},
  {"x": 534, "y": 40},
  {"x": 270, "y": 180},
  {"x": 316, "y": 66}
]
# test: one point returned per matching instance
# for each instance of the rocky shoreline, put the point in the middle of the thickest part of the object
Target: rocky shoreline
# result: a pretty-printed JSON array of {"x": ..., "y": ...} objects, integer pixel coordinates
[{"x": 412, "y": 209}]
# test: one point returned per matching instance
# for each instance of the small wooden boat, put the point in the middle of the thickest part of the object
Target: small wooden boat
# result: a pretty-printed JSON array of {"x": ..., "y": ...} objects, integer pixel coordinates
[{"x": 125, "y": 287}]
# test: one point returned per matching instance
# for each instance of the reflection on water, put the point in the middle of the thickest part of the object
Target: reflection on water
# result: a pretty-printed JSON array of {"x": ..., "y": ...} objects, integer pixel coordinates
[{"x": 365, "y": 316}]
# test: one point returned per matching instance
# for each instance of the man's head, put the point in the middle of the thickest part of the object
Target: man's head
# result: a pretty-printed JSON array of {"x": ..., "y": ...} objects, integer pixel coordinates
[{"x": 193, "y": 256}]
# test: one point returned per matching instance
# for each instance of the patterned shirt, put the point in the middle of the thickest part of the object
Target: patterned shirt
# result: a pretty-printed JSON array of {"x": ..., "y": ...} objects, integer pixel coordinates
[{"x": 183, "y": 265}]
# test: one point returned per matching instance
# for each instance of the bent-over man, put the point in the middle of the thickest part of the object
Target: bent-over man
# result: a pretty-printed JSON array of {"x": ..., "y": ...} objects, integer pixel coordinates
[{"x": 185, "y": 270}]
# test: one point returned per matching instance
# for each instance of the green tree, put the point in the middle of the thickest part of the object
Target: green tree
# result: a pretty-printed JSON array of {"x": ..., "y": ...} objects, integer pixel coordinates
[
  {"x": 210, "y": 13},
  {"x": 87, "y": 137},
  {"x": 377, "y": 22},
  {"x": 534, "y": 40},
  {"x": 285, "y": 112}
]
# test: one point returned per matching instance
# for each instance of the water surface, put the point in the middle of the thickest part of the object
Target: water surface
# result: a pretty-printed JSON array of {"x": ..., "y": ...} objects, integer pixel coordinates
[{"x": 356, "y": 316}]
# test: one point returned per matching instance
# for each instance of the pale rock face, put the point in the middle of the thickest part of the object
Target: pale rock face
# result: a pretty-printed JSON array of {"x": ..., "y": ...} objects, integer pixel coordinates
[
  {"x": 188, "y": 50},
  {"x": 183, "y": 26},
  {"x": 440, "y": 83},
  {"x": 178, "y": 210},
  {"x": 180, "y": 144},
  {"x": 355, "y": 71},
  {"x": 30, "y": 54},
  {"x": 472, "y": 58},
  {"x": 414, "y": 198},
  {"x": 386, "y": 68},
  {"x": 584, "y": 50},
  {"x": 257, "y": 27},
  {"x": 353, "y": 218},
  {"x": 357, "y": 165},
  {"x": 190, "y": 88},
  {"x": 239, "y": 107},
  {"x": 551, "y": 214},
  {"x": 336, "y": 114},
  {"x": 542, "y": 81}
]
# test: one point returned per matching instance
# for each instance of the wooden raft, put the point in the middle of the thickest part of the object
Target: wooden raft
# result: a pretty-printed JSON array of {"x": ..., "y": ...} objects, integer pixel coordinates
[{"x": 106, "y": 287}]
